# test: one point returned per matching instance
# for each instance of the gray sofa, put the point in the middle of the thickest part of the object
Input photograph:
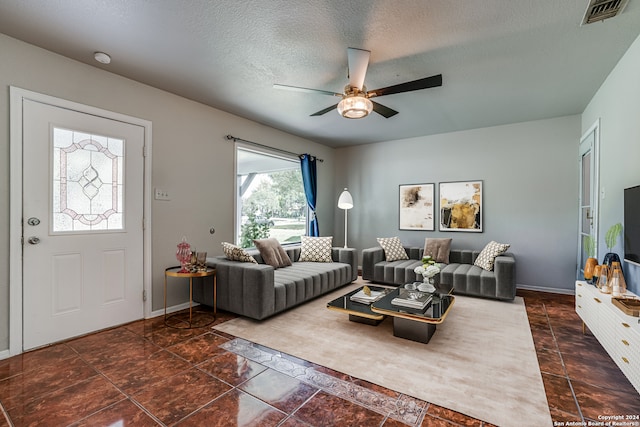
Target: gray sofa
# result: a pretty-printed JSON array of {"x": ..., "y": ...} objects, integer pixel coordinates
[
  {"x": 466, "y": 278},
  {"x": 259, "y": 291}
]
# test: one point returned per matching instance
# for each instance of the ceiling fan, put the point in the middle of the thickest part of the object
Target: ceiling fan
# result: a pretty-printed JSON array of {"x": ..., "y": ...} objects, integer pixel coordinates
[{"x": 356, "y": 102}]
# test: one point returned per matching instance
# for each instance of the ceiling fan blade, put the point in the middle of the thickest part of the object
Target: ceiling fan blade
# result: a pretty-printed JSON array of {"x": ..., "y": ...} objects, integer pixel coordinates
[
  {"x": 386, "y": 112},
  {"x": 358, "y": 64},
  {"x": 306, "y": 90},
  {"x": 426, "y": 83},
  {"x": 326, "y": 110}
]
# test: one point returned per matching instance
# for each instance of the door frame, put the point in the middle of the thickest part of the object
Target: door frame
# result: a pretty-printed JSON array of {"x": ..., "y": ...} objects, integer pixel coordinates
[
  {"x": 16, "y": 98},
  {"x": 595, "y": 189}
]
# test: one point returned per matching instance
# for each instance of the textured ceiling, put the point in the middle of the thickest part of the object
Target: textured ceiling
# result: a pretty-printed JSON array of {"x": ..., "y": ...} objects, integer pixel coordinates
[{"x": 502, "y": 61}]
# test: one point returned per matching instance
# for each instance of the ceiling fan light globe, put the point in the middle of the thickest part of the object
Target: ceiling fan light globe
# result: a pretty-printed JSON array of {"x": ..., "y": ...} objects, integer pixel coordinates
[{"x": 355, "y": 107}]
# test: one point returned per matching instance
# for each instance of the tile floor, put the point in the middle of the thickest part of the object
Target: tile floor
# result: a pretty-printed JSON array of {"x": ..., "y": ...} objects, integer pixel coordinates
[
  {"x": 581, "y": 381},
  {"x": 146, "y": 374}
]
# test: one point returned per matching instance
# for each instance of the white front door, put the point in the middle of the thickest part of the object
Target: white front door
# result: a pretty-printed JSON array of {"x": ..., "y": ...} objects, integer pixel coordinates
[{"x": 83, "y": 206}]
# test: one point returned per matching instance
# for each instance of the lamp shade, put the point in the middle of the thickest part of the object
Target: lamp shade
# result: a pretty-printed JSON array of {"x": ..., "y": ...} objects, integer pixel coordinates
[
  {"x": 355, "y": 107},
  {"x": 345, "y": 201}
]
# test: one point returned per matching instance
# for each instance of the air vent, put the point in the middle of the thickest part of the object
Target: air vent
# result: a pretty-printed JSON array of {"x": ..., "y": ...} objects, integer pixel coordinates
[{"x": 599, "y": 10}]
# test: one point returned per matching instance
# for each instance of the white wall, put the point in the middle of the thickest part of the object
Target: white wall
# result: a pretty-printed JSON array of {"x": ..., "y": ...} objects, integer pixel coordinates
[
  {"x": 191, "y": 158},
  {"x": 530, "y": 174},
  {"x": 617, "y": 105}
]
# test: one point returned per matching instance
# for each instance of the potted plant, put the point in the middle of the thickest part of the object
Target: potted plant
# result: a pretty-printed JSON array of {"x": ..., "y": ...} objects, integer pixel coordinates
[
  {"x": 589, "y": 244},
  {"x": 611, "y": 239}
]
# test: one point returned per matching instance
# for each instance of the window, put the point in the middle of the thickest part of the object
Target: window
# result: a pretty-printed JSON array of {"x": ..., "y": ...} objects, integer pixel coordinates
[{"x": 271, "y": 200}]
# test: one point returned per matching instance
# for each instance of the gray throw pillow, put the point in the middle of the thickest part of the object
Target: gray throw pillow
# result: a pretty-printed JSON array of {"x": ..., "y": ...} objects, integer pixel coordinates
[
  {"x": 272, "y": 252},
  {"x": 438, "y": 249}
]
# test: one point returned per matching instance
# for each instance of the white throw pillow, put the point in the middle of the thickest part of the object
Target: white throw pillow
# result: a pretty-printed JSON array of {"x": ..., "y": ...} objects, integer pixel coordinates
[
  {"x": 489, "y": 254},
  {"x": 316, "y": 249},
  {"x": 236, "y": 253},
  {"x": 393, "y": 249}
]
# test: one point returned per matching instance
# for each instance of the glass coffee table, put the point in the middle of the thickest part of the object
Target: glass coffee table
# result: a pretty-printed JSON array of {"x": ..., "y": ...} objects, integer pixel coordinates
[
  {"x": 359, "y": 312},
  {"x": 414, "y": 324}
]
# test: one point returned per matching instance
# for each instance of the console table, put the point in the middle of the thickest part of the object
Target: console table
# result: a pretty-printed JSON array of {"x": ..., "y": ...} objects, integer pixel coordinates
[{"x": 616, "y": 331}]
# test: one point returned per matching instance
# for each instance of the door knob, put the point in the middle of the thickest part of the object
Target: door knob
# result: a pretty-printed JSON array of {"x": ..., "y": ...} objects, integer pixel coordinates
[{"x": 33, "y": 240}]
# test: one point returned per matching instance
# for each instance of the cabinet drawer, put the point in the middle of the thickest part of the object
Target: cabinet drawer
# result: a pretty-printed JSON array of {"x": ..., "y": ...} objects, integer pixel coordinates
[
  {"x": 629, "y": 364},
  {"x": 608, "y": 332},
  {"x": 628, "y": 337},
  {"x": 633, "y": 373},
  {"x": 589, "y": 304},
  {"x": 629, "y": 351}
]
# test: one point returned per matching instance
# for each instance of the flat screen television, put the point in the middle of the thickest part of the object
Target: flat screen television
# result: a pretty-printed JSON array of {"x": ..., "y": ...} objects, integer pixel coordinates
[{"x": 632, "y": 224}]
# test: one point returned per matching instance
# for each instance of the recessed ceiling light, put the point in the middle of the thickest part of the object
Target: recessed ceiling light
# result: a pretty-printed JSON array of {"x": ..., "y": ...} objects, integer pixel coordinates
[{"x": 102, "y": 57}]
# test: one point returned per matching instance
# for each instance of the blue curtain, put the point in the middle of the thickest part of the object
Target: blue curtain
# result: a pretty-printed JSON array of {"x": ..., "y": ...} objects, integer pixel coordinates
[{"x": 310, "y": 181}]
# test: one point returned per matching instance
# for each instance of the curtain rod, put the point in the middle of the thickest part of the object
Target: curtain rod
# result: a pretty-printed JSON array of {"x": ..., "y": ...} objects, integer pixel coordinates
[{"x": 234, "y": 139}]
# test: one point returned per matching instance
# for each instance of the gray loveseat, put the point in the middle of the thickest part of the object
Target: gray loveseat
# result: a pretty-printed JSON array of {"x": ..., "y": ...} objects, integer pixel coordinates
[
  {"x": 466, "y": 278},
  {"x": 259, "y": 290}
]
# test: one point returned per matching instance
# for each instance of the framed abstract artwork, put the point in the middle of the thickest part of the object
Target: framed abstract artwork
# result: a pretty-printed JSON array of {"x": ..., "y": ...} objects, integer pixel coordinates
[
  {"x": 417, "y": 207},
  {"x": 461, "y": 206}
]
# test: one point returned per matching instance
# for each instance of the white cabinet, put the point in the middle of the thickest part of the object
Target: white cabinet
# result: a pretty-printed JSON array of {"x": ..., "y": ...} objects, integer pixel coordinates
[{"x": 616, "y": 331}]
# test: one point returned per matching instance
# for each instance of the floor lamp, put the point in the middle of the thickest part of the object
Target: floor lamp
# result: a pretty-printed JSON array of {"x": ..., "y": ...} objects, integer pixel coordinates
[{"x": 345, "y": 201}]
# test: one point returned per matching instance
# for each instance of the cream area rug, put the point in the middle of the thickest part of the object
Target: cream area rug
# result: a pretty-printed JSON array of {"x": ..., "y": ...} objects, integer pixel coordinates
[{"x": 481, "y": 361}]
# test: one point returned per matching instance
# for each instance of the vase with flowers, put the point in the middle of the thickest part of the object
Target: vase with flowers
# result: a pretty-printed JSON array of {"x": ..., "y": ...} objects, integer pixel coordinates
[
  {"x": 611, "y": 239},
  {"x": 428, "y": 269}
]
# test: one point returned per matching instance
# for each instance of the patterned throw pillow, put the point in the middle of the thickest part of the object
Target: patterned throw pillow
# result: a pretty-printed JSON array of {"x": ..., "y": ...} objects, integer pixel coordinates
[
  {"x": 236, "y": 253},
  {"x": 393, "y": 249},
  {"x": 488, "y": 255},
  {"x": 316, "y": 249}
]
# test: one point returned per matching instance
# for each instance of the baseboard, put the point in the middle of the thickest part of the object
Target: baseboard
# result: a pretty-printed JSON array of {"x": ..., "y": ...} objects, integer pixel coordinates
[
  {"x": 172, "y": 309},
  {"x": 4, "y": 354},
  {"x": 548, "y": 290}
]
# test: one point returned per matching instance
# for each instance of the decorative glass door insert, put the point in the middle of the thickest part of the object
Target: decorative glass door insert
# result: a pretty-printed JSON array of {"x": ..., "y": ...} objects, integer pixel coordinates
[{"x": 87, "y": 182}]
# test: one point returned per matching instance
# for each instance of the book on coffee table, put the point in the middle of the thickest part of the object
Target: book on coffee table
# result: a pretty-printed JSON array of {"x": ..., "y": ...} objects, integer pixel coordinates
[
  {"x": 363, "y": 298},
  {"x": 412, "y": 299}
]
